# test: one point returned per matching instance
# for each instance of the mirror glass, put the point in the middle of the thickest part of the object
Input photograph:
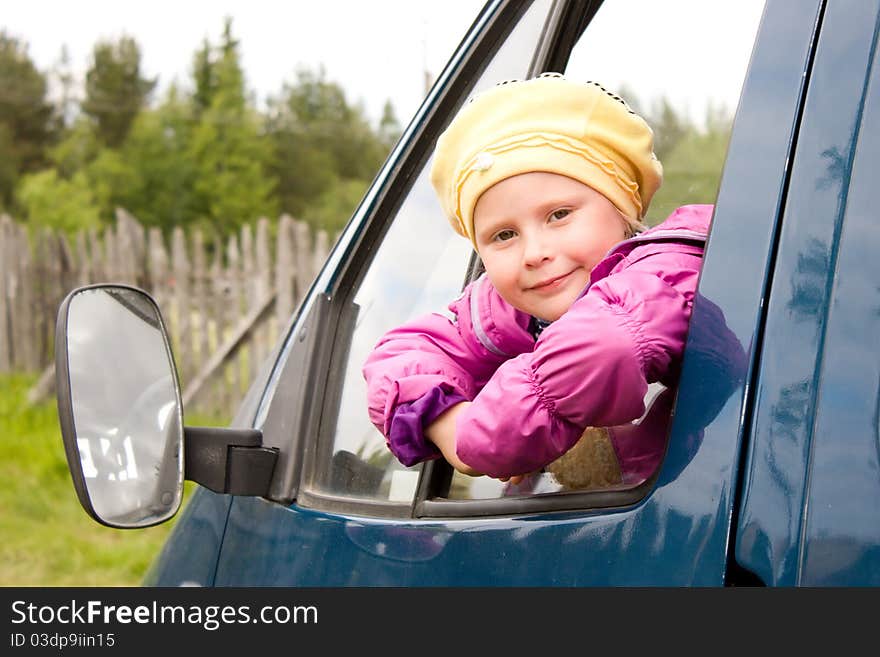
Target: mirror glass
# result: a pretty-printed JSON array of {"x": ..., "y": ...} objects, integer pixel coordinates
[{"x": 126, "y": 406}]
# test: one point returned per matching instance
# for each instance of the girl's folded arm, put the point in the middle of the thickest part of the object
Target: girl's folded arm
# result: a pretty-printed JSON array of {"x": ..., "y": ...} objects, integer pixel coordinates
[
  {"x": 422, "y": 368},
  {"x": 589, "y": 368}
]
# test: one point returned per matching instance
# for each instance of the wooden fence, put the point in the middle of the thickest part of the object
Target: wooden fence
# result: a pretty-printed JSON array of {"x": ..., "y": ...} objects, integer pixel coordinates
[{"x": 224, "y": 303}]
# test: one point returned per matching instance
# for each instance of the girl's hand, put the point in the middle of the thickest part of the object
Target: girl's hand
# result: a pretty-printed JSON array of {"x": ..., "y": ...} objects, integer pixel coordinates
[{"x": 441, "y": 432}]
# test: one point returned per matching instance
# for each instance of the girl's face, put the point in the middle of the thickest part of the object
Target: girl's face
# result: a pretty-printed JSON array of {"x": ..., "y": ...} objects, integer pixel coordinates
[{"x": 539, "y": 236}]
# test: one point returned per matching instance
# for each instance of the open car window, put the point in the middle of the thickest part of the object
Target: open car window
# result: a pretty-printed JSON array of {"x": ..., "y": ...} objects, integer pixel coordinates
[
  {"x": 680, "y": 65},
  {"x": 420, "y": 265}
]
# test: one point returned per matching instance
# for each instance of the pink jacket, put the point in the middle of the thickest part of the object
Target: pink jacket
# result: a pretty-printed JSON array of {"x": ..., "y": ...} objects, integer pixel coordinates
[{"x": 533, "y": 398}]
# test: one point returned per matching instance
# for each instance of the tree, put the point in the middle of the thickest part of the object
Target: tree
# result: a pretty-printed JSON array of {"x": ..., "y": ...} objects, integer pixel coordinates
[
  {"x": 8, "y": 166},
  {"x": 79, "y": 146},
  {"x": 26, "y": 116},
  {"x": 51, "y": 201},
  {"x": 115, "y": 89},
  {"x": 692, "y": 168},
  {"x": 232, "y": 184},
  {"x": 389, "y": 127},
  {"x": 669, "y": 126},
  {"x": 161, "y": 191},
  {"x": 150, "y": 174},
  {"x": 204, "y": 78},
  {"x": 332, "y": 209},
  {"x": 326, "y": 152}
]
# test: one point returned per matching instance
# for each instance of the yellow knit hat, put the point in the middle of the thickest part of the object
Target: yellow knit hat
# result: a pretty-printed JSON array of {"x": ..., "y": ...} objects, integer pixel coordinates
[{"x": 547, "y": 124}]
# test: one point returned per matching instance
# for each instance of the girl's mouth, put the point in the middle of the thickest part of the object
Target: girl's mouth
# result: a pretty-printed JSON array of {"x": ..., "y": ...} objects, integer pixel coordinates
[{"x": 550, "y": 283}]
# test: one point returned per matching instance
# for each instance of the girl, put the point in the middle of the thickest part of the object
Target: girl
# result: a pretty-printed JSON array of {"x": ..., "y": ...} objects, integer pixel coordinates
[{"x": 580, "y": 307}]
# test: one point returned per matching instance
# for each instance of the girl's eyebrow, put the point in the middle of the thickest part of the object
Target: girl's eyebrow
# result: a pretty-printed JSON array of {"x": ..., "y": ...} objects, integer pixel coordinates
[
  {"x": 491, "y": 226},
  {"x": 556, "y": 202},
  {"x": 489, "y": 230}
]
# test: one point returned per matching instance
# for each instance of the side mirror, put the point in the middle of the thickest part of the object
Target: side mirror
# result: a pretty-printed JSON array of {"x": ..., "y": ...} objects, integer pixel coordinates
[{"x": 119, "y": 406}]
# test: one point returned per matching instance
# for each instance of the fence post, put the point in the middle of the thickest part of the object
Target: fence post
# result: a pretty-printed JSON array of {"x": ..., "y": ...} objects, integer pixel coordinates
[
  {"x": 22, "y": 304},
  {"x": 130, "y": 244},
  {"x": 284, "y": 272},
  {"x": 303, "y": 249},
  {"x": 179, "y": 310},
  {"x": 320, "y": 252},
  {"x": 157, "y": 269},
  {"x": 82, "y": 274},
  {"x": 231, "y": 374},
  {"x": 98, "y": 267},
  {"x": 264, "y": 333},
  {"x": 200, "y": 301},
  {"x": 6, "y": 250},
  {"x": 246, "y": 355},
  {"x": 218, "y": 325}
]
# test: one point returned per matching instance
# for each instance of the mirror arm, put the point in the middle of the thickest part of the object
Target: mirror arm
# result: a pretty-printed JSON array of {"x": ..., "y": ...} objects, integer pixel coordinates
[{"x": 229, "y": 461}]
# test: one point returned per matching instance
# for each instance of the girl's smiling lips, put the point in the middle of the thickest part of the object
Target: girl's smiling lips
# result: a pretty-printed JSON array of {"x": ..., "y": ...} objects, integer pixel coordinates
[{"x": 550, "y": 283}]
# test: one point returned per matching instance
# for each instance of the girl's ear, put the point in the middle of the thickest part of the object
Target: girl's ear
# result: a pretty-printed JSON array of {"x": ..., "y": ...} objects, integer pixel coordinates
[
  {"x": 628, "y": 228},
  {"x": 631, "y": 228}
]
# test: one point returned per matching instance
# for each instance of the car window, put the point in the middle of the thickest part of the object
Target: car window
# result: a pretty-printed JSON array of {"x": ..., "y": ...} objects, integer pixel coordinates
[
  {"x": 681, "y": 65},
  {"x": 419, "y": 267}
]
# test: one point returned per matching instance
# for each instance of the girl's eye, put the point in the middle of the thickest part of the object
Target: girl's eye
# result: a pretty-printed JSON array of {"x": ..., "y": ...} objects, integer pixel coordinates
[
  {"x": 560, "y": 214},
  {"x": 504, "y": 235}
]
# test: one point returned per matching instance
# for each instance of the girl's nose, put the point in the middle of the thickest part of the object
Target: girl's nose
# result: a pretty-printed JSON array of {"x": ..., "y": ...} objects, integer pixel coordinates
[{"x": 537, "y": 249}]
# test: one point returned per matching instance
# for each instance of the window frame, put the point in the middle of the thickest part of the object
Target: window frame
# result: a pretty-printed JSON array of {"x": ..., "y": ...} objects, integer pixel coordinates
[{"x": 566, "y": 22}]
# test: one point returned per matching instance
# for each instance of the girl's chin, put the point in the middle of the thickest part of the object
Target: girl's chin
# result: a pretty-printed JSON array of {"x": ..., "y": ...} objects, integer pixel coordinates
[{"x": 548, "y": 312}]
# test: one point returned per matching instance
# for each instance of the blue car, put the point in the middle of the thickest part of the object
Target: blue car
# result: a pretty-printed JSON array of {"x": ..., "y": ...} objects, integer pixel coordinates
[{"x": 772, "y": 465}]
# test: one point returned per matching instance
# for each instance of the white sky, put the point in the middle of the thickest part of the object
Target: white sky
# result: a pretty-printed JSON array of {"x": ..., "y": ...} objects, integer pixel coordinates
[{"x": 380, "y": 49}]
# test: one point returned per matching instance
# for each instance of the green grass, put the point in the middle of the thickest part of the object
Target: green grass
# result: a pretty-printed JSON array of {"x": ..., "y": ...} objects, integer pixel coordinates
[{"x": 46, "y": 538}]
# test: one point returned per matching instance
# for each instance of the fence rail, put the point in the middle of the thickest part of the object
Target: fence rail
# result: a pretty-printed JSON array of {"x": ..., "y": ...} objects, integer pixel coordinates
[{"x": 225, "y": 303}]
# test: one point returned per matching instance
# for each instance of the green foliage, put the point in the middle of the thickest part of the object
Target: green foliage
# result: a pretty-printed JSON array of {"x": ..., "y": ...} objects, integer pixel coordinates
[
  {"x": 389, "y": 126},
  {"x": 54, "y": 202},
  {"x": 692, "y": 155},
  {"x": 26, "y": 116},
  {"x": 204, "y": 78},
  {"x": 76, "y": 149},
  {"x": 115, "y": 90},
  {"x": 669, "y": 127},
  {"x": 230, "y": 154},
  {"x": 691, "y": 173},
  {"x": 111, "y": 177},
  {"x": 692, "y": 167},
  {"x": 161, "y": 190},
  {"x": 209, "y": 157},
  {"x": 150, "y": 175},
  {"x": 326, "y": 152},
  {"x": 9, "y": 166},
  {"x": 332, "y": 209}
]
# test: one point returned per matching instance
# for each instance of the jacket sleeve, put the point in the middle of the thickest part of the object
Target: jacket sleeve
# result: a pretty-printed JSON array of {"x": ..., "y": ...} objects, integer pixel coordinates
[
  {"x": 419, "y": 369},
  {"x": 591, "y": 367}
]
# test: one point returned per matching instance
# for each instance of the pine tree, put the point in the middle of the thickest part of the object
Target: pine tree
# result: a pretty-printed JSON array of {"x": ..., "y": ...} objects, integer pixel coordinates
[
  {"x": 230, "y": 154},
  {"x": 26, "y": 116},
  {"x": 115, "y": 89},
  {"x": 389, "y": 127}
]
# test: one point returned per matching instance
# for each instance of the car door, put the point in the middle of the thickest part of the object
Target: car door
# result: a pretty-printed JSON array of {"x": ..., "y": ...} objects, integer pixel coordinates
[
  {"x": 341, "y": 512},
  {"x": 812, "y": 478}
]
